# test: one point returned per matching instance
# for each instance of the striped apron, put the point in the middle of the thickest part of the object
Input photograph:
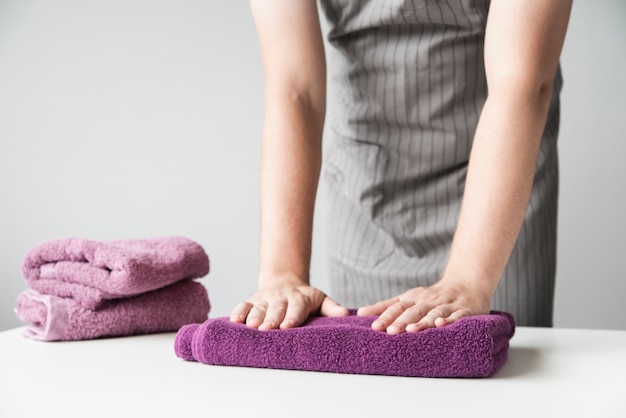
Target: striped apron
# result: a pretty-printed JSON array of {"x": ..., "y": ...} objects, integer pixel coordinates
[{"x": 406, "y": 87}]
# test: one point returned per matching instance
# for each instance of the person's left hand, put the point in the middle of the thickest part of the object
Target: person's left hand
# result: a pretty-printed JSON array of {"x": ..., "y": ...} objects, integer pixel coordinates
[{"x": 427, "y": 307}]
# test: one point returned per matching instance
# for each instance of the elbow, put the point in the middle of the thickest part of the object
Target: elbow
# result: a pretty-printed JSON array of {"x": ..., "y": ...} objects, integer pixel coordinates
[
  {"x": 311, "y": 100},
  {"x": 535, "y": 90},
  {"x": 544, "y": 93},
  {"x": 307, "y": 100}
]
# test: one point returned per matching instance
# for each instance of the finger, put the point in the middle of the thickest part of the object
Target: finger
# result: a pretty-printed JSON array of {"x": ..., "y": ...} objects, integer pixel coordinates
[
  {"x": 410, "y": 316},
  {"x": 274, "y": 315},
  {"x": 331, "y": 308},
  {"x": 296, "y": 313},
  {"x": 428, "y": 321},
  {"x": 455, "y": 316},
  {"x": 240, "y": 312},
  {"x": 377, "y": 308},
  {"x": 390, "y": 315},
  {"x": 256, "y": 315}
]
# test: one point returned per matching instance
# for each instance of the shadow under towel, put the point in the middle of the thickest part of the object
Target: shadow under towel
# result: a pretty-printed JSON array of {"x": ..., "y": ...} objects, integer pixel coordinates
[{"x": 474, "y": 346}]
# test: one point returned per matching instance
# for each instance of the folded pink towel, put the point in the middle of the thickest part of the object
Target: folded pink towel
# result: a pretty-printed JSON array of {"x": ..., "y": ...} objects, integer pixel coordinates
[
  {"x": 475, "y": 346},
  {"x": 91, "y": 272},
  {"x": 52, "y": 318}
]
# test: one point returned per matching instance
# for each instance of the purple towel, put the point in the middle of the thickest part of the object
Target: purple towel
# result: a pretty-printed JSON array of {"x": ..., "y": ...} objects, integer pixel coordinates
[
  {"x": 470, "y": 347},
  {"x": 52, "y": 318},
  {"x": 90, "y": 272}
]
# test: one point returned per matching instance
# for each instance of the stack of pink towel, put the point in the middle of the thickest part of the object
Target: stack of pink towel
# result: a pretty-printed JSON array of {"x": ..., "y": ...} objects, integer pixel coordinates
[{"x": 83, "y": 289}]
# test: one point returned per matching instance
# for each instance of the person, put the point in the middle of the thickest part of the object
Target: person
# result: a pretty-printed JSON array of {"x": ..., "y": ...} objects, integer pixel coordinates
[{"x": 439, "y": 155}]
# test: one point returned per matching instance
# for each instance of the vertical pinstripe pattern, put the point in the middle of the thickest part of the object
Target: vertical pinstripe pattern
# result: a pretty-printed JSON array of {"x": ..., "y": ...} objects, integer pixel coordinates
[{"x": 406, "y": 89}]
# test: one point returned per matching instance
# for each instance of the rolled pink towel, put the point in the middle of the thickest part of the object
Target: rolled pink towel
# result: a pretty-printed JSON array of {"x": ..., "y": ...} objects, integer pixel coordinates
[
  {"x": 53, "y": 318},
  {"x": 91, "y": 272},
  {"x": 475, "y": 346}
]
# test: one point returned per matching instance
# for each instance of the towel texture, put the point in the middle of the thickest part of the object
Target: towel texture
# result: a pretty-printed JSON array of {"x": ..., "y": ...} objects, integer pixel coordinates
[
  {"x": 82, "y": 289},
  {"x": 52, "y": 318},
  {"x": 91, "y": 272},
  {"x": 470, "y": 347}
]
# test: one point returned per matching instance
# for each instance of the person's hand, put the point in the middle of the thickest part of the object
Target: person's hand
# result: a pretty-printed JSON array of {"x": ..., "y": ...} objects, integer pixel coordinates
[
  {"x": 285, "y": 306},
  {"x": 428, "y": 307}
]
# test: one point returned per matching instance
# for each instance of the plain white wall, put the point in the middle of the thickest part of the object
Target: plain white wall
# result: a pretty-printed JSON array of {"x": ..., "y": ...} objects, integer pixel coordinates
[
  {"x": 591, "y": 278},
  {"x": 130, "y": 118}
]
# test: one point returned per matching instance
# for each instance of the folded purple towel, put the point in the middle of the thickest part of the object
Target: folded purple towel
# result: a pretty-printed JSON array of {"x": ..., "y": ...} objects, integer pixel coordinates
[
  {"x": 470, "y": 347},
  {"x": 52, "y": 318},
  {"x": 91, "y": 272}
]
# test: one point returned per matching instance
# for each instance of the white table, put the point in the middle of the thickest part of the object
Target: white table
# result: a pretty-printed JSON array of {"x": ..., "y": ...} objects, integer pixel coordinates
[{"x": 550, "y": 373}]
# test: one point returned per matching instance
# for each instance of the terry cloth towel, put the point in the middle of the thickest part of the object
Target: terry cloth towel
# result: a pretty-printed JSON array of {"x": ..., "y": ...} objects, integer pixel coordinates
[
  {"x": 52, "y": 318},
  {"x": 90, "y": 272},
  {"x": 474, "y": 346}
]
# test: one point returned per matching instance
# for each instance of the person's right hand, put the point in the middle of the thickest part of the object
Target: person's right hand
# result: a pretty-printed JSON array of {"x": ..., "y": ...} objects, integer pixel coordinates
[{"x": 285, "y": 306}]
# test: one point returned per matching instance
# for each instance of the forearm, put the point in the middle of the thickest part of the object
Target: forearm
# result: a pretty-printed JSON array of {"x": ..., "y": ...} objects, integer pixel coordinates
[
  {"x": 499, "y": 182},
  {"x": 290, "y": 166},
  {"x": 295, "y": 98},
  {"x": 522, "y": 46}
]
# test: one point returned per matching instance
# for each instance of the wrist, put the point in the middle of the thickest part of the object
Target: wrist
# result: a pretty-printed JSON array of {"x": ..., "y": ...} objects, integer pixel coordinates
[
  {"x": 480, "y": 272},
  {"x": 481, "y": 286},
  {"x": 283, "y": 268},
  {"x": 271, "y": 278}
]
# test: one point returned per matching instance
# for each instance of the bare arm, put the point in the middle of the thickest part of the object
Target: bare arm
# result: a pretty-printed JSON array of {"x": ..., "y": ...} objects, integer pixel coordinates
[
  {"x": 523, "y": 43},
  {"x": 295, "y": 98}
]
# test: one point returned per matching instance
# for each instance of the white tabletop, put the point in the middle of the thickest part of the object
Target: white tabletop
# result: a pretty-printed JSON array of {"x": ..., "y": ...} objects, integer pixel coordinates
[{"x": 550, "y": 372}]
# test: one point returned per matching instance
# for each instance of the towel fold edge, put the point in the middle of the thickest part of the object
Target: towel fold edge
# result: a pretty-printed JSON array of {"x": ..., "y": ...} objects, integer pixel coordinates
[{"x": 49, "y": 328}]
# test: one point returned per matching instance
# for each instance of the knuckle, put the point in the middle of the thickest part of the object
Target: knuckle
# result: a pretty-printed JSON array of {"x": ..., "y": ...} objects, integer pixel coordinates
[
  {"x": 258, "y": 308},
  {"x": 437, "y": 312}
]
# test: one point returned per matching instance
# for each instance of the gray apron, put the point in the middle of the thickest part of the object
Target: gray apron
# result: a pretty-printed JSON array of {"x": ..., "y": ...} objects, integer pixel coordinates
[{"x": 406, "y": 87}]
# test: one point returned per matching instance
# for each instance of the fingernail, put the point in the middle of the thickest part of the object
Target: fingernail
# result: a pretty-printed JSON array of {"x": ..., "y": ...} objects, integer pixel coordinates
[
  {"x": 394, "y": 328},
  {"x": 379, "y": 324}
]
